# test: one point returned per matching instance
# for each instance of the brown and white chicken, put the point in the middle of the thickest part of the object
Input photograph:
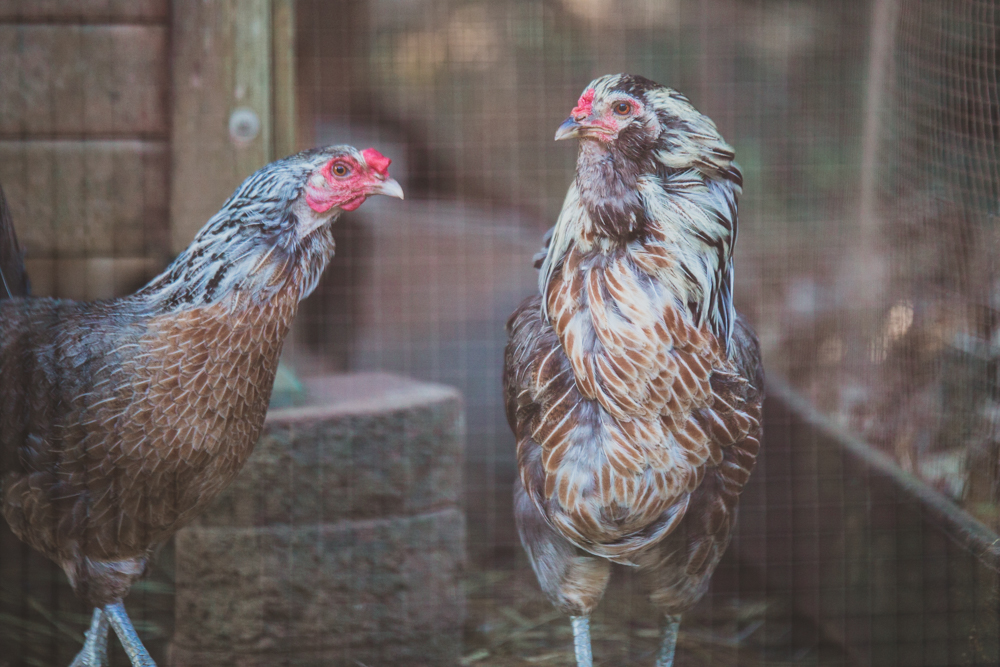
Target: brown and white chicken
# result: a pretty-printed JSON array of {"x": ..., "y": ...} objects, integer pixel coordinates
[
  {"x": 632, "y": 386},
  {"x": 121, "y": 420}
]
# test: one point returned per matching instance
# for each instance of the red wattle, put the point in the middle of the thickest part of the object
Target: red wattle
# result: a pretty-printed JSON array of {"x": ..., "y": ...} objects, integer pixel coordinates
[
  {"x": 353, "y": 204},
  {"x": 377, "y": 161},
  {"x": 318, "y": 204}
]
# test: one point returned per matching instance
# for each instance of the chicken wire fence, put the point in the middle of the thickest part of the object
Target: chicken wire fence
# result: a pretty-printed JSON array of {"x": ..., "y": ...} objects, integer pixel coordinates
[
  {"x": 471, "y": 93},
  {"x": 909, "y": 323},
  {"x": 867, "y": 135},
  {"x": 938, "y": 196}
]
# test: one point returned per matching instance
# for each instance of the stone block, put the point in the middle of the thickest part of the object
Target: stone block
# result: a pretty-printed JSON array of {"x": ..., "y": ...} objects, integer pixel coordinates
[
  {"x": 340, "y": 542},
  {"x": 321, "y": 594},
  {"x": 367, "y": 445}
]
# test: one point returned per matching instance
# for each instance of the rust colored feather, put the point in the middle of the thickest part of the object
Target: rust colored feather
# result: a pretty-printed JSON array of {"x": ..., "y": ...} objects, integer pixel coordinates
[
  {"x": 553, "y": 456},
  {"x": 718, "y": 429},
  {"x": 653, "y": 259}
]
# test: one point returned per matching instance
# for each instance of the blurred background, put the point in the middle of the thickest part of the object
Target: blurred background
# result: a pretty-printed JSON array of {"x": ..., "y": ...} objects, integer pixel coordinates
[
  {"x": 868, "y": 132},
  {"x": 466, "y": 97}
]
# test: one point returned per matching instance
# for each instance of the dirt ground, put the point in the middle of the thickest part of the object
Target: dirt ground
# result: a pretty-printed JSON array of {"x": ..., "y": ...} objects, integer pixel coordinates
[{"x": 510, "y": 623}]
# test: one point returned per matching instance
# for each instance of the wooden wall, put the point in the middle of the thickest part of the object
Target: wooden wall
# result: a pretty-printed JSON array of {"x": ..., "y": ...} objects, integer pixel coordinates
[
  {"x": 84, "y": 132},
  {"x": 115, "y": 142},
  {"x": 230, "y": 57}
]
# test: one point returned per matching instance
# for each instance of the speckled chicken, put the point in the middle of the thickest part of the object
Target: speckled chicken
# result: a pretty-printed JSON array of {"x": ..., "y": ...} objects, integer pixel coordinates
[
  {"x": 632, "y": 386},
  {"x": 121, "y": 420}
]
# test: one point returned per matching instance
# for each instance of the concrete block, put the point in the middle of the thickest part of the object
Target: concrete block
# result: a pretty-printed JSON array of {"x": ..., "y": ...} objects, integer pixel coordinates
[
  {"x": 341, "y": 541},
  {"x": 367, "y": 445},
  {"x": 321, "y": 594}
]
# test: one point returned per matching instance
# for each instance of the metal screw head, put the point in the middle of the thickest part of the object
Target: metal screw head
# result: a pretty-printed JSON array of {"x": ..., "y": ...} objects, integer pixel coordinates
[{"x": 244, "y": 126}]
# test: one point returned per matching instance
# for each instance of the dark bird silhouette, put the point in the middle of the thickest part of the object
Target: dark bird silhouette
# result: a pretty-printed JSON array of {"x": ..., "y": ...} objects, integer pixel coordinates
[
  {"x": 121, "y": 420},
  {"x": 633, "y": 388}
]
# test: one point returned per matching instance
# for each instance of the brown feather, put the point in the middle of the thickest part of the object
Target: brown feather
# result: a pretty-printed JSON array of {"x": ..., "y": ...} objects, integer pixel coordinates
[{"x": 666, "y": 411}]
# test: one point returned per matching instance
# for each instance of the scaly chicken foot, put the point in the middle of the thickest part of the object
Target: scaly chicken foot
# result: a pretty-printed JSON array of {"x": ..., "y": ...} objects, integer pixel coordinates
[
  {"x": 581, "y": 641},
  {"x": 665, "y": 657},
  {"x": 95, "y": 649},
  {"x": 120, "y": 621}
]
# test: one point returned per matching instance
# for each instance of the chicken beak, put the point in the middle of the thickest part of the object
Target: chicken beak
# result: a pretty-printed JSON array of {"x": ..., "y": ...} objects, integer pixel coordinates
[
  {"x": 390, "y": 188},
  {"x": 570, "y": 129}
]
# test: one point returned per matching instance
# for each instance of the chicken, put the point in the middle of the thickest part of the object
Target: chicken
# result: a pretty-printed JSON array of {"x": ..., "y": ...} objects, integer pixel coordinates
[
  {"x": 121, "y": 420},
  {"x": 632, "y": 386}
]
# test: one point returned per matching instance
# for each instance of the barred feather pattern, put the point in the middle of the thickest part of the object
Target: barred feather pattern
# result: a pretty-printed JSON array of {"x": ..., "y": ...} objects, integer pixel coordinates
[
  {"x": 667, "y": 506},
  {"x": 632, "y": 386},
  {"x": 250, "y": 250}
]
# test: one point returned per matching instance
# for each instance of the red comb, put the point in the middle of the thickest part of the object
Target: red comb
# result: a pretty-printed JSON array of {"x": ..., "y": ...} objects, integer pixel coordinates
[
  {"x": 584, "y": 105},
  {"x": 377, "y": 161}
]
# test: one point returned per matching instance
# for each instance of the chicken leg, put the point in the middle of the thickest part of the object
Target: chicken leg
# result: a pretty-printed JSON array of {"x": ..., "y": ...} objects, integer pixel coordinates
[
  {"x": 581, "y": 641},
  {"x": 95, "y": 649},
  {"x": 665, "y": 657},
  {"x": 119, "y": 619}
]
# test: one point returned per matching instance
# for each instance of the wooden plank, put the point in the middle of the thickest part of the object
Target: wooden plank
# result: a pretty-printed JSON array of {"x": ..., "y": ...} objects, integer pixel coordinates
[
  {"x": 967, "y": 531},
  {"x": 84, "y": 11},
  {"x": 882, "y": 563},
  {"x": 283, "y": 78},
  {"x": 62, "y": 80},
  {"x": 86, "y": 198},
  {"x": 222, "y": 64}
]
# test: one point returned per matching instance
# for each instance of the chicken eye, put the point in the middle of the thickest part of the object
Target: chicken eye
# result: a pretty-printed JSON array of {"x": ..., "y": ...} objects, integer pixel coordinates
[
  {"x": 623, "y": 108},
  {"x": 340, "y": 170}
]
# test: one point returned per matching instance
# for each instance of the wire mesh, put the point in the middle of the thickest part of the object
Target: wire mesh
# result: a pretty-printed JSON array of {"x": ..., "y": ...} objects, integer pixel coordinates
[
  {"x": 867, "y": 133},
  {"x": 912, "y": 341},
  {"x": 469, "y": 96}
]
